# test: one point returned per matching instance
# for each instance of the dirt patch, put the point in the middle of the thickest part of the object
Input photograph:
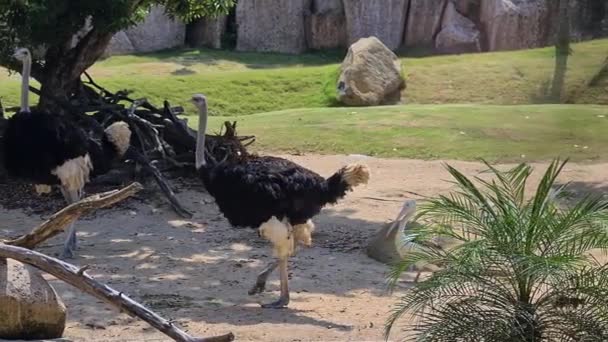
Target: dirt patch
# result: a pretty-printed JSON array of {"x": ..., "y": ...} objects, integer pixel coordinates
[{"x": 197, "y": 272}]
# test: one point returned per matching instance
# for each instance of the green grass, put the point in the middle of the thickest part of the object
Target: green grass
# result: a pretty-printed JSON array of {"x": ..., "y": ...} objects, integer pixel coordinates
[
  {"x": 248, "y": 83},
  {"x": 465, "y": 132}
]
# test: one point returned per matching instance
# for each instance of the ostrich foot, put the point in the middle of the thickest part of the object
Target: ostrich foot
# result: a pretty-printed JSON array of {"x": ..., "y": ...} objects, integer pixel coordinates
[
  {"x": 284, "y": 299},
  {"x": 260, "y": 284},
  {"x": 279, "y": 304},
  {"x": 67, "y": 253},
  {"x": 257, "y": 288}
]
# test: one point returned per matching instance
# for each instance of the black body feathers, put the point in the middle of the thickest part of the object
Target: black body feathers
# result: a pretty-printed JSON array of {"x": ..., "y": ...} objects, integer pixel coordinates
[
  {"x": 35, "y": 143},
  {"x": 253, "y": 189}
]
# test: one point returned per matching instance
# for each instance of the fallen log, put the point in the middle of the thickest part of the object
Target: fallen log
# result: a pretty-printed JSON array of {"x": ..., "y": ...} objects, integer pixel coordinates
[
  {"x": 63, "y": 218},
  {"x": 78, "y": 278}
]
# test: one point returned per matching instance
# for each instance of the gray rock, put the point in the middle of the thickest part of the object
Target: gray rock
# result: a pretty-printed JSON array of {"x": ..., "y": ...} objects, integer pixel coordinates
[
  {"x": 458, "y": 34},
  {"x": 156, "y": 32},
  {"x": 29, "y": 307},
  {"x": 384, "y": 19},
  {"x": 325, "y": 25},
  {"x": 370, "y": 75},
  {"x": 272, "y": 25},
  {"x": 424, "y": 22}
]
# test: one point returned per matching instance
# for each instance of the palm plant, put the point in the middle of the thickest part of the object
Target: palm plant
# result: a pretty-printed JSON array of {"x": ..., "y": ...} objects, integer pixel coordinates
[{"x": 521, "y": 268}]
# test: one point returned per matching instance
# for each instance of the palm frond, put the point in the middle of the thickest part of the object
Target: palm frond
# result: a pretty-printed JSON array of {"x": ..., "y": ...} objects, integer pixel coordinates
[{"x": 520, "y": 269}]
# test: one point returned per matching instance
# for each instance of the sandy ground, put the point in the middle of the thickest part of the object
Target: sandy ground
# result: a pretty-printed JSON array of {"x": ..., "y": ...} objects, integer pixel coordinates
[{"x": 198, "y": 271}]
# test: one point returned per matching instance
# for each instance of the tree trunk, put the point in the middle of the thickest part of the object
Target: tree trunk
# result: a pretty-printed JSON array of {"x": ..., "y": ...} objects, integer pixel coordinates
[
  {"x": 60, "y": 77},
  {"x": 562, "y": 51}
]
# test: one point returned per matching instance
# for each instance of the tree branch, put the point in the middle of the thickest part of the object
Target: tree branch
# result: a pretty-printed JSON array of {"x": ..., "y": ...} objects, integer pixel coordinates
[
  {"x": 57, "y": 223},
  {"x": 78, "y": 278}
]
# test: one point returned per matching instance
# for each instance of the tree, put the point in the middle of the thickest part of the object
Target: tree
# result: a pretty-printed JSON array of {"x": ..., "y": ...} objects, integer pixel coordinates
[
  {"x": 522, "y": 269},
  {"x": 562, "y": 51},
  {"x": 50, "y": 27}
]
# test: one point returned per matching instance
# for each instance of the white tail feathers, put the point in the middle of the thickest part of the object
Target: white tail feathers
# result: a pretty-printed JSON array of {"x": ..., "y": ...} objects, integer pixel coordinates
[
  {"x": 74, "y": 173},
  {"x": 119, "y": 134},
  {"x": 355, "y": 174},
  {"x": 303, "y": 233}
]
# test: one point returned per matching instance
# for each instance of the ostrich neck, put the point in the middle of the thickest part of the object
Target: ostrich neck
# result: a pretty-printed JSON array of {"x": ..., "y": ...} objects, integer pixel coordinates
[
  {"x": 403, "y": 222},
  {"x": 200, "y": 141},
  {"x": 25, "y": 84}
]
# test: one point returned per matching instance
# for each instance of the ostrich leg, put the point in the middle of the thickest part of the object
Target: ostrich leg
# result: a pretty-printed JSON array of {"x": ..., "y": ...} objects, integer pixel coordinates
[
  {"x": 284, "y": 299},
  {"x": 71, "y": 240},
  {"x": 260, "y": 283}
]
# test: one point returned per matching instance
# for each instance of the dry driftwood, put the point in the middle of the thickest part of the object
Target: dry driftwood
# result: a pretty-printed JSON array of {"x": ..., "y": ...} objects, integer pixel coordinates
[
  {"x": 57, "y": 223},
  {"x": 78, "y": 278}
]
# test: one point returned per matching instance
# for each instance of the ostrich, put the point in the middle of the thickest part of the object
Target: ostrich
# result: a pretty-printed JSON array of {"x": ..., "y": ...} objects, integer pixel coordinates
[
  {"x": 394, "y": 241},
  {"x": 47, "y": 149},
  {"x": 274, "y": 195}
]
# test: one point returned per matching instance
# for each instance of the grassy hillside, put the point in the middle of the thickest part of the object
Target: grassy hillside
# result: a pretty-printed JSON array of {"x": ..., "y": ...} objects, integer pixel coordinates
[
  {"x": 247, "y": 83},
  {"x": 467, "y": 132}
]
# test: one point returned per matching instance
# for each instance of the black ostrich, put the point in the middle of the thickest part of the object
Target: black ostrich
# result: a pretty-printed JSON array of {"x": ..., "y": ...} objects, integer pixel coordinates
[
  {"x": 47, "y": 149},
  {"x": 274, "y": 195}
]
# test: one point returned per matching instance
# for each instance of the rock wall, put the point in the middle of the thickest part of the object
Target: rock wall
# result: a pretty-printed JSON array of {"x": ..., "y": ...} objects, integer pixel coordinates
[
  {"x": 272, "y": 25},
  {"x": 325, "y": 25},
  {"x": 423, "y": 22},
  {"x": 384, "y": 19},
  {"x": 458, "y": 34},
  {"x": 515, "y": 24},
  {"x": 156, "y": 32},
  {"x": 447, "y": 26},
  {"x": 206, "y": 32}
]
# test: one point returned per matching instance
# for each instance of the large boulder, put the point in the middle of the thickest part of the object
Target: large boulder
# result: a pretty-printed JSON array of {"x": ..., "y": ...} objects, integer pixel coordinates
[
  {"x": 206, "y": 32},
  {"x": 29, "y": 307},
  {"x": 515, "y": 24},
  {"x": 424, "y": 22},
  {"x": 458, "y": 34},
  {"x": 325, "y": 25},
  {"x": 272, "y": 25},
  {"x": 384, "y": 19},
  {"x": 370, "y": 75}
]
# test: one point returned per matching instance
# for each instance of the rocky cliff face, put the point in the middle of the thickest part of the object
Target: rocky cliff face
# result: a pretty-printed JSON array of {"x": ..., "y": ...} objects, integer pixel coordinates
[{"x": 447, "y": 26}]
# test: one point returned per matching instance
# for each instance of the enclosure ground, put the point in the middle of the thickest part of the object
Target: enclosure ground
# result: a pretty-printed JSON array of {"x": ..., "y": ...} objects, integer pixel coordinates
[{"x": 198, "y": 271}]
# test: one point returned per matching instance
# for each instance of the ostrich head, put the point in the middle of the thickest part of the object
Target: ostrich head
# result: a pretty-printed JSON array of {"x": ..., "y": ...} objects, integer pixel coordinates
[
  {"x": 407, "y": 211},
  {"x": 119, "y": 134},
  {"x": 200, "y": 102},
  {"x": 22, "y": 54},
  {"x": 405, "y": 215}
]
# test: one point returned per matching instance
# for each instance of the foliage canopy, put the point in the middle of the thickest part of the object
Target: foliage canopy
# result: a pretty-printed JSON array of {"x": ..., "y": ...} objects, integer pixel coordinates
[{"x": 50, "y": 27}]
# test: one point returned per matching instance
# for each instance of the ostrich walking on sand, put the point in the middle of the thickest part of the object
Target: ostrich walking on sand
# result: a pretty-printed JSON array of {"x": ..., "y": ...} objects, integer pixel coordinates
[
  {"x": 274, "y": 195},
  {"x": 47, "y": 149}
]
